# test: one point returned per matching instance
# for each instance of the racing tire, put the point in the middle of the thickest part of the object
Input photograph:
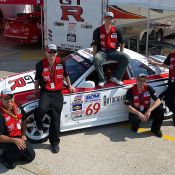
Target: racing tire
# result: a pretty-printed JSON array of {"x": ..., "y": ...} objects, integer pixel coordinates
[{"x": 32, "y": 133}]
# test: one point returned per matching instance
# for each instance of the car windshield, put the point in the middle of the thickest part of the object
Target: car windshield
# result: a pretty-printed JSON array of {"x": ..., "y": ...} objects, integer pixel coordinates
[
  {"x": 136, "y": 67},
  {"x": 76, "y": 65}
]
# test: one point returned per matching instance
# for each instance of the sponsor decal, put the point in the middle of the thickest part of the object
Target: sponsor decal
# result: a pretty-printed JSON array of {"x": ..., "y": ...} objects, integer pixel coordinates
[
  {"x": 45, "y": 69},
  {"x": 59, "y": 66},
  {"x": 114, "y": 35},
  {"x": 46, "y": 78},
  {"x": 76, "y": 106},
  {"x": 86, "y": 26},
  {"x": 71, "y": 37},
  {"x": 56, "y": 23},
  {"x": 71, "y": 46},
  {"x": 75, "y": 11},
  {"x": 21, "y": 82},
  {"x": 117, "y": 99},
  {"x": 77, "y": 103},
  {"x": 102, "y": 36},
  {"x": 18, "y": 111},
  {"x": 146, "y": 94},
  {"x": 77, "y": 58},
  {"x": 7, "y": 118},
  {"x": 78, "y": 98},
  {"x": 77, "y": 115},
  {"x": 59, "y": 76},
  {"x": 92, "y": 97},
  {"x": 72, "y": 26}
]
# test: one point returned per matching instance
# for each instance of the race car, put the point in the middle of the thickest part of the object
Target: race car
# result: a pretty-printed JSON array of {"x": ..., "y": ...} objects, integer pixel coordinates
[
  {"x": 25, "y": 28},
  {"x": 90, "y": 105}
]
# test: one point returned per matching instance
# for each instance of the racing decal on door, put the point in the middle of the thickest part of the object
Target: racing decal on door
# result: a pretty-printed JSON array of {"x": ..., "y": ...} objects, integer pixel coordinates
[
  {"x": 85, "y": 106},
  {"x": 92, "y": 104},
  {"x": 77, "y": 108}
]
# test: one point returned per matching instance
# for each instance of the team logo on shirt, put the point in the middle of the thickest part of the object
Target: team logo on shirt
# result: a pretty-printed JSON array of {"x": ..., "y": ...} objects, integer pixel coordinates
[
  {"x": 7, "y": 118},
  {"x": 102, "y": 36},
  {"x": 59, "y": 66},
  {"x": 45, "y": 69},
  {"x": 114, "y": 35},
  {"x": 18, "y": 111}
]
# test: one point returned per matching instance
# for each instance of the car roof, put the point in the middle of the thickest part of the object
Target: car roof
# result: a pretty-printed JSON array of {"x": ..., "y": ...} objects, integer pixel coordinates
[{"x": 87, "y": 53}]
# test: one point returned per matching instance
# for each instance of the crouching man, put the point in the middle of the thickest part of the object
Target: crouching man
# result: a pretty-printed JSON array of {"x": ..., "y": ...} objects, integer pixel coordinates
[
  {"x": 12, "y": 132},
  {"x": 138, "y": 100}
]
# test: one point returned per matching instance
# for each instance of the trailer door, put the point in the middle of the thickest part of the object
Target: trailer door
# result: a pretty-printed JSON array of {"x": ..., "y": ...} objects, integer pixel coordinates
[{"x": 70, "y": 23}]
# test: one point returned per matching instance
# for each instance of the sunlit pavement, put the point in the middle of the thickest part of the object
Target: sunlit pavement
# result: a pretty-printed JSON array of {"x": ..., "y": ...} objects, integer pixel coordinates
[{"x": 105, "y": 150}]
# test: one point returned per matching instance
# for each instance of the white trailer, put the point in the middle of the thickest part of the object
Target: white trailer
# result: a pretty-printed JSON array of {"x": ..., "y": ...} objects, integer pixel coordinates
[{"x": 70, "y": 23}]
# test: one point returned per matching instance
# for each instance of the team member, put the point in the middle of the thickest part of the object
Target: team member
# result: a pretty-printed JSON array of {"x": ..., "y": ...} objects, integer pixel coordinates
[
  {"x": 170, "y": 97},
  {"x": 106, "y": 39},
  {"x": 50, "y": 72},
  {"x": 12, "y": 132},
  {"x": 138, "y": 99}
]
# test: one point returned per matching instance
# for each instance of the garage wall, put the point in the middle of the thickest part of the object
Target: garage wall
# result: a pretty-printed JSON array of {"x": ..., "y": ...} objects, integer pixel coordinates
[{"x": 12, "y": 10}]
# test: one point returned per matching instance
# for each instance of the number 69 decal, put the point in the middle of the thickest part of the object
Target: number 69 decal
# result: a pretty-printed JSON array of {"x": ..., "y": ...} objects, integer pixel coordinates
[{"x": 93, "y": 109}]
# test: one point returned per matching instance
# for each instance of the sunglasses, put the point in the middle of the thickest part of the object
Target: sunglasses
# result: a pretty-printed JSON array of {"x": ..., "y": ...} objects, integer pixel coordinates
[
  {"x": 52, "y": 51},
  {"x": 8, "y": 97},
  {"x": 108, "y": 18}
]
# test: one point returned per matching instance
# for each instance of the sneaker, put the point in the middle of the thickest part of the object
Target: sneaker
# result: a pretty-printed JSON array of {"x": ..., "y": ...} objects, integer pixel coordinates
[
  {"x": 115, "y": 80},
  {"x": 158, "y": 133},
  {"x": 8, "y": 165},
  {"x": 55, "y": 148},
  {"x": 102, "y": 83}
]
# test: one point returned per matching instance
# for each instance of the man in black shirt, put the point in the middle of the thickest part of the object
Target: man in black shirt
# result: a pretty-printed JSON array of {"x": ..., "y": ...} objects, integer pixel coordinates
[
  {"x": 170, "y": 92},
  {"x": 50, "y": 72},
  {"x": 106, "y": 40},
  {"x": 138, "y": 100}
]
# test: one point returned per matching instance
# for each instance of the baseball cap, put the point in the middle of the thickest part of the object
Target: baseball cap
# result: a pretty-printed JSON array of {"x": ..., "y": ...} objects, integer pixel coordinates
[
  {"x": 142, "y": 75},
  {"x": 52, "y": 47},
  {"x": 6, "y": 92},
  {"x": 109, "y": 14}
]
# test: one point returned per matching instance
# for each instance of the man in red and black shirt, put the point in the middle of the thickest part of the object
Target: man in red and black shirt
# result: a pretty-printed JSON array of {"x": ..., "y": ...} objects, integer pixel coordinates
[
  {"x": 170, "y": 92},
  {"x": 106, "y": 40},
  {"x": 138, "y": 100},
  {"x": 50, "y": 72},
  {"x": 12, "y": 132}
]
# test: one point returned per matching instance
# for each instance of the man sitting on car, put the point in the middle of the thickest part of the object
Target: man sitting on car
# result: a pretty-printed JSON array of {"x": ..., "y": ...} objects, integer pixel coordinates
[
  {"x": 12, "y": 132},
  {"x": 138, "y": 100}
]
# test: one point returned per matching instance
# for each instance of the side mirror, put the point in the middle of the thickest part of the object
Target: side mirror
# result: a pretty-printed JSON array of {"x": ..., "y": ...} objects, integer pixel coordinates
[{"x": 87, "y": 84}]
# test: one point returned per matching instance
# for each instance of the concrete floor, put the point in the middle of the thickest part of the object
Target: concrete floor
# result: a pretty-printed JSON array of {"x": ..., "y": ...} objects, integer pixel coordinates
[{"x": 105, "y": 150}]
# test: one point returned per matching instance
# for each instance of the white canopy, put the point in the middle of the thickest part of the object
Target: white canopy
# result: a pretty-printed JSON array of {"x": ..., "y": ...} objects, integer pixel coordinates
[{"x": 152, "y": 4}]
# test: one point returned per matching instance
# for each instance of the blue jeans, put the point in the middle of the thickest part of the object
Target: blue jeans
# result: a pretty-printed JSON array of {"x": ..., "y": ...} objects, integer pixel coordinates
[{"x": 120, "y": 57}]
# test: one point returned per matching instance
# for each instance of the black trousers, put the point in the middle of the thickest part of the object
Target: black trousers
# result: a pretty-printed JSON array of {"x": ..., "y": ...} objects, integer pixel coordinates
[
  {"x": 51, "y": 102},
  {"x": 157, "y": 115},
  {"x": 11, "y": 152},
  {"x": 170, "y": 97}
]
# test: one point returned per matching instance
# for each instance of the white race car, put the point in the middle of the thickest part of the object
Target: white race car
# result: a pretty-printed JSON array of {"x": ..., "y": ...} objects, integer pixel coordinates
[{"x": 91, "y": 105}]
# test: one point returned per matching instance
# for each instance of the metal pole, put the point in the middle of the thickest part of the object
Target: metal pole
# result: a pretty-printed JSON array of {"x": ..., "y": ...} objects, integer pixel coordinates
[
  {"x": 42, "y": 31},
  {"x": 147, "y": 38}
]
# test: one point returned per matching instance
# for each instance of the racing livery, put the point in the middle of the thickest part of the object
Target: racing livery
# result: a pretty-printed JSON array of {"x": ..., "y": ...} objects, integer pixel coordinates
[{"x": 90, "y": 105}]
